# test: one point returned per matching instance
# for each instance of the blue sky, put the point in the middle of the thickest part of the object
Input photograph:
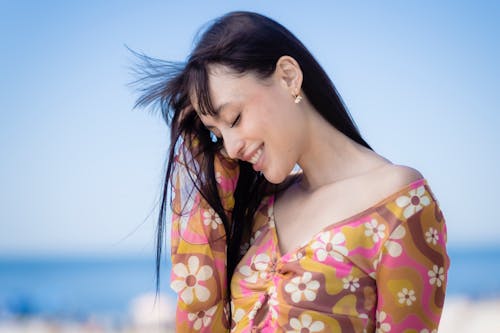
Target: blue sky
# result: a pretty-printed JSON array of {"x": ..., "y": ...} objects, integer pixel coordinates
[{"x": 80, "y": 170}]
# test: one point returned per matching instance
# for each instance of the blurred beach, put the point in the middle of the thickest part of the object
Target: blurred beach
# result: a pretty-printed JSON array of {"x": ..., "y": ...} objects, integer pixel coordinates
[
  {"x": 118, "y": 294},
  {"x": 83, "y": 295},
  {"x": 461, "y": 315}
]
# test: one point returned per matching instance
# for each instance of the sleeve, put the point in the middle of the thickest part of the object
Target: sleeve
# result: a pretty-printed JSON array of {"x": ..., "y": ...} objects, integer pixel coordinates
[
  {"x": 413, "y": 265},
  {"x": 198, "y": 249}
]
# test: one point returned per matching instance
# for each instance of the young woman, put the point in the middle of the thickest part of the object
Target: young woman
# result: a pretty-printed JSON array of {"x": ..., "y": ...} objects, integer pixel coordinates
[{"x": 345, "y": 242}]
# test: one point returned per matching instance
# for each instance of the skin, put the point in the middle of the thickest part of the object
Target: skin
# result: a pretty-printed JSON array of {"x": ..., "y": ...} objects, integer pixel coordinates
[{"x": 339, "y": 177}]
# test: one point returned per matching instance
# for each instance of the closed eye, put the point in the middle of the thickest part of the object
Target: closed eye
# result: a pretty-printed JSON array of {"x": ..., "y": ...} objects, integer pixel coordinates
[{"x": 236, "y": 121}]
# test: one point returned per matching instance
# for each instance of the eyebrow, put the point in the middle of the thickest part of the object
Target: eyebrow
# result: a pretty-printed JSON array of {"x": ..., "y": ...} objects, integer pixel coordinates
[
  {"x": 221, "y": 108},
  {"x": 218, "y": 110}
]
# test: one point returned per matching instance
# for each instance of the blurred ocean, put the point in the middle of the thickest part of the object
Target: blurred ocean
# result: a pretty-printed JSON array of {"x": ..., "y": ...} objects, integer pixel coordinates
[
  {"x": 80, "y": 288},
  {"x": 77, "y": 288}
]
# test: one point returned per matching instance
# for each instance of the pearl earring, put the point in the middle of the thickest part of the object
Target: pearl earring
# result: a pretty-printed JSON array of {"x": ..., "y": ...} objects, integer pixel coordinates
[{"x": 297, "y": 99}]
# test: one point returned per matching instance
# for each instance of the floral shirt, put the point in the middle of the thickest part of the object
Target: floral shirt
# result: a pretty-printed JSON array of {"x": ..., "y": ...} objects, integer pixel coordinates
[
  {"x": 198, "y": 249},
  {"x": 382, "y": 270}
]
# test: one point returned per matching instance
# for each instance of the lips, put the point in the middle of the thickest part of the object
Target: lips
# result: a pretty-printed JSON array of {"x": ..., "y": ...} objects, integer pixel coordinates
[{"x": 255, "y": 157}]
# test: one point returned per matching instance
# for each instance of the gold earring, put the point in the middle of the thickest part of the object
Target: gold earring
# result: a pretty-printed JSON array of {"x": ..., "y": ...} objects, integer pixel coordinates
[{"x": 297, "y": 99}]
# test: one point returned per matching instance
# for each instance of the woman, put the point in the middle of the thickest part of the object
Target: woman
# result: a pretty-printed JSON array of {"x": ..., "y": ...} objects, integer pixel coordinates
[{"x": 346, "y": 242}]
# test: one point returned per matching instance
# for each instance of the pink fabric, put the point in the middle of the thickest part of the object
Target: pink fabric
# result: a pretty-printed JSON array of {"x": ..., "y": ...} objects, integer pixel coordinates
[{"x": 383, "y": 270}]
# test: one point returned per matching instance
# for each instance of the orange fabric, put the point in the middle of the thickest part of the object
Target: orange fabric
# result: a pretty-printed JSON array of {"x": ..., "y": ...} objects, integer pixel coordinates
[{"x": 382, "y": 270}]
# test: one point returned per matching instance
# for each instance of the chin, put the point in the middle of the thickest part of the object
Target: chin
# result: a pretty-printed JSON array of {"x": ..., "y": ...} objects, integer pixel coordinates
[
  {"x": 275, "y": 177},
  {"x": 273, "y": 180}
]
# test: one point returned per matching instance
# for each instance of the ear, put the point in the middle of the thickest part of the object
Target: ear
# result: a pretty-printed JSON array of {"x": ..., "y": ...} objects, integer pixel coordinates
[{"x": 289, "y": 74}]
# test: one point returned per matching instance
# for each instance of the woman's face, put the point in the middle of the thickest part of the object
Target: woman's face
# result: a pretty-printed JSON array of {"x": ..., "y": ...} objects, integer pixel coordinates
[{"x": 257, "y": 120}]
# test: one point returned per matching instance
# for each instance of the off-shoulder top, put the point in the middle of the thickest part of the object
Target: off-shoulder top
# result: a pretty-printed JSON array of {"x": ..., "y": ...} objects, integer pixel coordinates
[{"x": 381, "y": 270}]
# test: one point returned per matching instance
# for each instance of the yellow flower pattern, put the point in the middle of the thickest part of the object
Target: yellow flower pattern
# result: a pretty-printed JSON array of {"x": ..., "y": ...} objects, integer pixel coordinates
[{"x": 384, "y": 270}]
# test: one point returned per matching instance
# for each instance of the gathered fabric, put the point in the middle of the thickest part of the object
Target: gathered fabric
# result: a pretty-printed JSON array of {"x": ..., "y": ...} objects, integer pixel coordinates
[{"x": 381, "y": 270}]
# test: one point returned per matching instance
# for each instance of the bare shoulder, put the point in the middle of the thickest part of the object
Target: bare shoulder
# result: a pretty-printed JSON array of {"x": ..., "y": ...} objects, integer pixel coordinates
[
  {"x": 395, "y": 177},
  {"x": 403, "y": 174},
  {"x": 387, "y": 180}
]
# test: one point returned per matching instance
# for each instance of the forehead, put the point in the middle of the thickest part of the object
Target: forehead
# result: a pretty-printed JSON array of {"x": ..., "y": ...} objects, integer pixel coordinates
[{"x": 225, "y": 87}]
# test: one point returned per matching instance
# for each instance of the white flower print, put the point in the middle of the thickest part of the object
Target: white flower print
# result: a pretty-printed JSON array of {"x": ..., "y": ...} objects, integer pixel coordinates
[
  {"x": 254, "y": 237},
  {"x": 436, "y": 275},
  {"x": 270, "y": 215},
  {"x": 393, "y": 247},
  {"x": 302, "y": 286},
  {"x": 351, "y": 283},
  {"x": 273, "y": 301},
  {"x": 330, "y": 244},
  {"x": 376, "y": 262},
  {"x": 187, "y": 280},
  {"x": 375, "y": 230},
  {"x": 257, "y": 268},
  {"x": 238, "y": 315},
  {"x": 210, "y": 217},
  {"x": 202, "y": 318},
  {"x": 381, "y": 326},
  {"x": 431, "y": 236},
  {"x": 185, "y": 189},
  {"x": 173, "y": 195},
  {"x": 296, "y": 255},
  {"x": 253, "y": 312},
  {"x": 414, "y": 202},
  {"x": 188, "y": 202},
  {"x": 218, "y": 177},
  {"x": 407, "y": 296},
  {"x": 305, "y": 324}
]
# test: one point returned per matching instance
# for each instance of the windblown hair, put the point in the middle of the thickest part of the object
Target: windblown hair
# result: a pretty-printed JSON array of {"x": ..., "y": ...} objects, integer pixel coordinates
[{"x": 243, "y": 42}]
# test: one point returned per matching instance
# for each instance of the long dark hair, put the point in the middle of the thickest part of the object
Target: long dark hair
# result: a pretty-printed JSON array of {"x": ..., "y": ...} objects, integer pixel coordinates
[{"x": 244, "y": 42}]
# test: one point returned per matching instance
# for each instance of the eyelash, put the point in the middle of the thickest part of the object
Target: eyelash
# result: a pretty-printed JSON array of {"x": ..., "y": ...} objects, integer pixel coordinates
[
  {"x": 236, "y": 121},
  {"x": 216, "y": 137}
]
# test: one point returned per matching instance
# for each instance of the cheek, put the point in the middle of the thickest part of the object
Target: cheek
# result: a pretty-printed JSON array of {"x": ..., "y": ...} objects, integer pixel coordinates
[{"x": 281, "y": 160}]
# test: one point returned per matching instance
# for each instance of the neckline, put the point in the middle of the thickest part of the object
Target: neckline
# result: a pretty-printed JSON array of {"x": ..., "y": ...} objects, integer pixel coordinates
[{"x": 384, "y": 201}]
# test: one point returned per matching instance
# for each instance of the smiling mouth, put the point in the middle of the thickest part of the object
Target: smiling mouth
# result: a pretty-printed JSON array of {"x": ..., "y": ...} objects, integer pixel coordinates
[{"x": 256, "y": 156}]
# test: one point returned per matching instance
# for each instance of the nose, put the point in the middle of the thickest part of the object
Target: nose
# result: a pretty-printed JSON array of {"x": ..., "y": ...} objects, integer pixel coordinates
[{"x": 233, "y": 144}]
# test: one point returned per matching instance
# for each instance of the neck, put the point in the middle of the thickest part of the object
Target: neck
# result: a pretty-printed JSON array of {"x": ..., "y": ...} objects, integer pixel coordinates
[{"x": 329, "y": 156}]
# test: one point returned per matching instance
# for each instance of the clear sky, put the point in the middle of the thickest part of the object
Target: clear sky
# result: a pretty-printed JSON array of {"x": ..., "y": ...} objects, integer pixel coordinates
[{"x": 80, "y": 171}]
